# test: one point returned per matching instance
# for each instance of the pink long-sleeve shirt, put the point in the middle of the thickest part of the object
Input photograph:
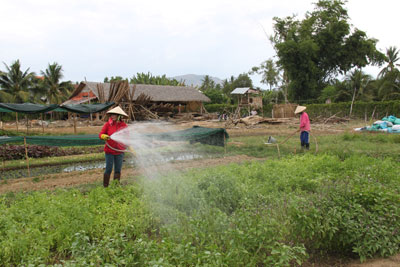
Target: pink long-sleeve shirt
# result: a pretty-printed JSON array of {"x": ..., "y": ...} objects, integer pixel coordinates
[{"x": 304, "y": 122}]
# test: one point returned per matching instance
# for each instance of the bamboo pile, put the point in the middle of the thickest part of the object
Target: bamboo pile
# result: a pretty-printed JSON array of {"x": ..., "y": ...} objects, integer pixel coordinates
[{"x": 141, "y": 108}]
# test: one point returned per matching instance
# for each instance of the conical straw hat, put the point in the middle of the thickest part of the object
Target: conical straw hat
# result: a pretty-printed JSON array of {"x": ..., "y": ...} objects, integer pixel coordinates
[
  {"x": 299, "y": 109},
  {"x": 117, "y": 110}
]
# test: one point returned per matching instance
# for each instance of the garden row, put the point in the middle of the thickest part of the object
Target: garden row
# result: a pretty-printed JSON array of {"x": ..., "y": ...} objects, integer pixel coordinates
[{"x": 271, "y": 213}]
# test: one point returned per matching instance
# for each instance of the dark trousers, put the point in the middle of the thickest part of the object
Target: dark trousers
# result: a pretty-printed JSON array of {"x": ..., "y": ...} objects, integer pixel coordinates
[
  {"x": 114, "y": 161},
  {"x": 304, "y": 139}
]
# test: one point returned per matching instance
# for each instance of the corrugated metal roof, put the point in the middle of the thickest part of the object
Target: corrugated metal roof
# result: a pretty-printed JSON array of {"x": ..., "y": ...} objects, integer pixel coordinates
[{"x": 240, "y": 91}]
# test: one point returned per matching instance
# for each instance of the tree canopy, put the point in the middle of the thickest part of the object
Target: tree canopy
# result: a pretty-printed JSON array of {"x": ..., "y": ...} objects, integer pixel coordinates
[
  {"x": 16, "y": 83},
  {"x": 313, "y": 51}
]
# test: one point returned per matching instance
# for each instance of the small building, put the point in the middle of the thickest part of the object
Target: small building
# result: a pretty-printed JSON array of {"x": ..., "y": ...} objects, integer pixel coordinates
[{"x": 249, "y": 98}]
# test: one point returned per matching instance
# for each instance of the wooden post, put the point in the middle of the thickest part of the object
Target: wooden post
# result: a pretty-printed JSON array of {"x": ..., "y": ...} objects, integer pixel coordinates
[
  {"x": 224, "y": 145},
  {"x": 16, "y": 116},
  {"x": 26, "y": 156},
  {"x": 279, "y": 152},
  {"x": 41, "y": 116},
  {"x": 91, "y": 116},
  {"x": 74, "y": 123},
  {"x": 26, "y": 122}
]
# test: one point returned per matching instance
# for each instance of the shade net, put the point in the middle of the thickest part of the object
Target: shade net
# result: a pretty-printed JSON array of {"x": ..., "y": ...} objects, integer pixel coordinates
[
  {"x": 210, "y": 136},
  {"x": 30, "y": 108},
  {"x": 63, "y": 140},
  {"x": 86, "y": 108}
]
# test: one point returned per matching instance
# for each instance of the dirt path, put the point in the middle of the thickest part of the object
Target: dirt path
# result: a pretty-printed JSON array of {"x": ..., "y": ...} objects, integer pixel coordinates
[{"x": 71, "y": 179}]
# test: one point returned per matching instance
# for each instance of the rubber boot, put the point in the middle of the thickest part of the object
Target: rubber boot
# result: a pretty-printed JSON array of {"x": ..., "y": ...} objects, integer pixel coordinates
[
  {"x": 308, "y": 146},
  {"x": 117, "y": 176},
  {"x": 106, "y": 179}
]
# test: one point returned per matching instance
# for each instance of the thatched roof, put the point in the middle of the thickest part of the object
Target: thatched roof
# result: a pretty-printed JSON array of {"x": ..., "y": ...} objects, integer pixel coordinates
[{"x": 158, "y": 93}]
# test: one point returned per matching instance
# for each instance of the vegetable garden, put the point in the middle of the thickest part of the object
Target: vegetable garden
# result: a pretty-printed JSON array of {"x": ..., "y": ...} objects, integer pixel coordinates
[{"x": 297, "y": 210}]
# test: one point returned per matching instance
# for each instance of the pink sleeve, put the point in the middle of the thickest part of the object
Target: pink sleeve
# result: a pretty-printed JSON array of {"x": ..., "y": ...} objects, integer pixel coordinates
[{"x": 303, "y": 120}]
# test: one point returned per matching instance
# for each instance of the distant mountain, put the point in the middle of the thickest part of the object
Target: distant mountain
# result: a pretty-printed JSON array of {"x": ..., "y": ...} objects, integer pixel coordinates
[{"x": 195, "y": 80}]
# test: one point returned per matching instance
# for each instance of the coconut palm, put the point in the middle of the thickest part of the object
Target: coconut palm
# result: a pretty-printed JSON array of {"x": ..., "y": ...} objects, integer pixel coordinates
[
  {"x": 358, "y": 82},
  {"x": 389, "y": 85},
  {"x": 392, "y": 56},
  {"x": 207, "y": 83},
  {"x": 15, "y": 83},
  {"x": 55, "y": 90},
  {"x": 389, "y": 82}
]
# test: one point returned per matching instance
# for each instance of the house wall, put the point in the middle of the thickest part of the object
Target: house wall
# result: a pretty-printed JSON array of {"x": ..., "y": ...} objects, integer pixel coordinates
[
  {"x": 283, "y": 110},
  {"x": 193, "y": 106}
]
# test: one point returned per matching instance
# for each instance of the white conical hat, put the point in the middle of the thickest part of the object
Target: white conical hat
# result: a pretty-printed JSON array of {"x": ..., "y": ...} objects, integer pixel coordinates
[
  {"x": 299, "y": 109},
  {"x": 117, "y": 110}
]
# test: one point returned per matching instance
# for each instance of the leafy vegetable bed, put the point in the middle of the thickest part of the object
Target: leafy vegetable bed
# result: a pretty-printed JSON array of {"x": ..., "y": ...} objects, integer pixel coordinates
[{"x": 274, "y": 213}]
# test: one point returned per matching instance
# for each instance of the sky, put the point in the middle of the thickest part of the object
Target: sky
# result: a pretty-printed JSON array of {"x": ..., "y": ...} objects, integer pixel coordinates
[{"x": 93, "y": 39}]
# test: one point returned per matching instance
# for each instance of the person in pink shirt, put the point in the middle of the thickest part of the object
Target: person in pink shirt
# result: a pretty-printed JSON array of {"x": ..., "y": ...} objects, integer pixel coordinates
[{"x": 304, "y": 127}]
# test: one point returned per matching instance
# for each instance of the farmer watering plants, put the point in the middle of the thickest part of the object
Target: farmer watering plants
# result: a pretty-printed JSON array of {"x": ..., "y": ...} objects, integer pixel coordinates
[
  {"x": 114, "y": 151},
  {"x": 304, "y": 127}
]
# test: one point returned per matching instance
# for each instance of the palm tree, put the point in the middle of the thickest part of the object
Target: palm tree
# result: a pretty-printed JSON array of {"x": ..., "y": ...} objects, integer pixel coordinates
[
  {"x": 55, "y": 90},
  {"x": 207, "y": 83},
  {"x": 389, "y": 83},
  {"x": 358, "y": 82},
  {"x": 16, "y": 83},
  {"x": 392, "y": 56}
]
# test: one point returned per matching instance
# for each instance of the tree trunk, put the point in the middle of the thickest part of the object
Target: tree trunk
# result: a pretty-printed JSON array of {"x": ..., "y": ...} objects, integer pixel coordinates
[{"x": 352, "y": 101}]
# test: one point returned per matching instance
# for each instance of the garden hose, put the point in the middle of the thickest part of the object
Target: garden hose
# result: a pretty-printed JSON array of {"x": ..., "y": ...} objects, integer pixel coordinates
[
  {"x": 315, "y": 140},
  {"x": 122, "y": 151}
]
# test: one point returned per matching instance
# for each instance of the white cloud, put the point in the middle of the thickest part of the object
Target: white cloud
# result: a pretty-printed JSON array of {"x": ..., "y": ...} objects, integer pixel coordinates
[{"x": 221, "y": 38}]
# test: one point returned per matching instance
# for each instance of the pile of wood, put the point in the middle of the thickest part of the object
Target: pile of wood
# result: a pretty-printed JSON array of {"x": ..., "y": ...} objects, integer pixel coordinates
[
  {"x": 332, "y": 119},
  {"x": 140, "y": 109},
  {"x": 253, "y": 120}
]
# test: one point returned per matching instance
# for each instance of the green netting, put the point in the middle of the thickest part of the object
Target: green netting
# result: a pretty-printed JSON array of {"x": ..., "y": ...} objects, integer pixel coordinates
[
  {"x": 63, "y": 140},
  {"x": 5, "y": 110},
  {"x": 13, "y": 139},
  {"x": 87, "y": 108},
  {"x": 210, "y": 136},
  {"x": 30, "y": 108},
  {"x": 203, "y": 135}
]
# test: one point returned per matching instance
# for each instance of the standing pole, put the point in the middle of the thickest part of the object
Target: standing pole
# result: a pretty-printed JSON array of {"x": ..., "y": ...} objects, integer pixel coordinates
[
  {"x": 224, "y": 145},
  {"x": 91, "y": 116},
  {"x": 279, "y": 152},
  {"x": 41, "y": 116},
  {"x": 26, "y": 156},
  {"x": 26, "y": 122},
  {"x": 16, "y": 116},
  {"x": 74, "y": 123}
]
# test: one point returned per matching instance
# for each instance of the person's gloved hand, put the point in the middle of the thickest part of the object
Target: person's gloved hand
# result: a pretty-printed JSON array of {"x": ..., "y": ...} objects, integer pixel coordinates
[{"x": 105, "y": 137}]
